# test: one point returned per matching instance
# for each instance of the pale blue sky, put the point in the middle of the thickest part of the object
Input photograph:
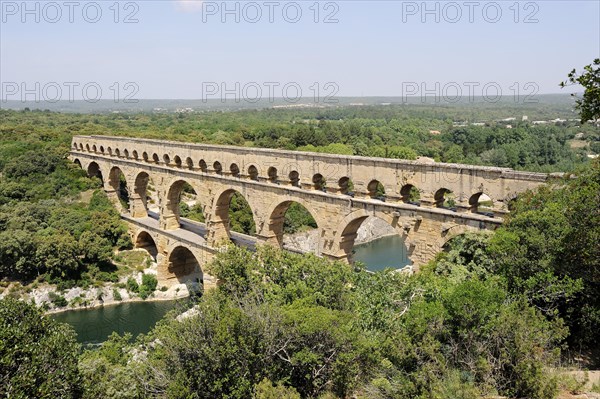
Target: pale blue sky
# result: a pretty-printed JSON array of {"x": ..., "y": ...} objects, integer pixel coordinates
[{"x": 170, "y": 52}]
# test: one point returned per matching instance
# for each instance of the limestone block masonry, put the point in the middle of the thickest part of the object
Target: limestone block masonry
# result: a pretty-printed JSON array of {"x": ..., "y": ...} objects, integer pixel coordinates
[{"x": 270, "y": 180}]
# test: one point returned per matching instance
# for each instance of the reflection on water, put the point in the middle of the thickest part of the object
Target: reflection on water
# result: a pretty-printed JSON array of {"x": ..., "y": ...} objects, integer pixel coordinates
[
  {"x": 95, "y": 325},
  {"x": 384, "y": 252}
]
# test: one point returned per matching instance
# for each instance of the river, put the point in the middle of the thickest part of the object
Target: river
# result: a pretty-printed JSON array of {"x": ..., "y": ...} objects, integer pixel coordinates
[
  {"x": 93, "y": 326},
  {"x": 384, "y": 252}
]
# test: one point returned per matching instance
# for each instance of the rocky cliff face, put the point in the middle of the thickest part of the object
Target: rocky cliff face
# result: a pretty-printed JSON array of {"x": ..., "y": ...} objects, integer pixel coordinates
[{"x": 371, "y": 229}]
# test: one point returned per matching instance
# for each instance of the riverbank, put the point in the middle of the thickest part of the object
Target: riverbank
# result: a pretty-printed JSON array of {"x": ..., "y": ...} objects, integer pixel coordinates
[
  {"x": 51, "y": 299},
  {"x": 54, "y": 300}
]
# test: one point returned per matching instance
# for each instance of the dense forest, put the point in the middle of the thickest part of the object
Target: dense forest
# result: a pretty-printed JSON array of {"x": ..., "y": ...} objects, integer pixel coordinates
[{"x": 494, "y": 314}]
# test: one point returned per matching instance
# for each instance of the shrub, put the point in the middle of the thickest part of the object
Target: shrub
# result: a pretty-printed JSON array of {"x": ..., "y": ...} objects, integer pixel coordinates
[
  {"x": 132, "y": 285},
  {"x": 57, "y": 300},
  {"x": 117, "y": 295},
  {"x": 150, "y": 281}
]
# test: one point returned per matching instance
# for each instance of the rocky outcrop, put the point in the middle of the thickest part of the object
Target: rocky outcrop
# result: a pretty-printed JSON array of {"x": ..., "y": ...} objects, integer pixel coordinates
[{"x": 371, "y": 229}]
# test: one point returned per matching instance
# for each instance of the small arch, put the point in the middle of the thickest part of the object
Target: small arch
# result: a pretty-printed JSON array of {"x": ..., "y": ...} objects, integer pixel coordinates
[
  {"x": 319, "y": 182},
  {"x": 376, "y": 190},
  {"x": 145, "y": 241},
  {"x": 272, "y": 173},
  {"x": 126, "y": 153},
  {"x": 189, "y": 163},
  {"x": 346, "y": 186},
  {"x": 166, "y": 159},
  {"x": 94, "y": 148},
  {"x": 134, "y": 154},
  {"x": 253, "y": 172},
  {"x": 410, "y": 194},
  {"x": 87, "y": 147},
  {"x": 109, "y": 151},
  {"x": 102, "y": 149},
  {"x": 77, "y": 162},
  {"x": 155, "y": 158},
  {"x": 177, "y": 161},
  {"x": 183, "y": 265},
  {"x": 481, "y": 203},
  {"x": 203, "y": 165},
  {"x": 81, "y": 146},
  {"x": 117, "y": 152},
  {"x": 218, "y": 167},
  {"x": 75, "y": 147},
  {"x": 234, "y": 169},
  {"x": 294, "y": 178},
  {"x": 444, "y": 198},
  {"x": 146, "y": 157}
]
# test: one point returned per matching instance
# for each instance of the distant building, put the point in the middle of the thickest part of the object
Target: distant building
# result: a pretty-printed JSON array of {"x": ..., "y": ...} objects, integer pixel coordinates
[
  {"x": 524, "y": 118},
  {"x": 478, "y": 123},
  {"x": 435, "y": 132},
  {"x": 509, "y": 126},
  {"x": 540, "y": 122},
  {"x": 579, "y": 135}
]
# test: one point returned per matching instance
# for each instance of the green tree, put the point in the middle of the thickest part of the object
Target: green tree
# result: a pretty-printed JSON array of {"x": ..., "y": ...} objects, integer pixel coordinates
[
  {"x": 38, "y": 356},
  {"x": 589, "y": 104}
]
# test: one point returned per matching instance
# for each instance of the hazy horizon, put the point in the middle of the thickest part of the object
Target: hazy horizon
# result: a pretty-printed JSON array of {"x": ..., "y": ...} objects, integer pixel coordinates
[{"x": 193, "y": 49}]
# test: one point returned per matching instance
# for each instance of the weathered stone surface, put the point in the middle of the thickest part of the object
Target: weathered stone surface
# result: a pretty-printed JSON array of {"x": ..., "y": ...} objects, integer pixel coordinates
[{"x": 270, "y": 180}]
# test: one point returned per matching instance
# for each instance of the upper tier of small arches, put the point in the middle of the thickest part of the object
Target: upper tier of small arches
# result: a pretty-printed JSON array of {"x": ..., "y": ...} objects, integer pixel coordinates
[{"x": 408, "y": 192}]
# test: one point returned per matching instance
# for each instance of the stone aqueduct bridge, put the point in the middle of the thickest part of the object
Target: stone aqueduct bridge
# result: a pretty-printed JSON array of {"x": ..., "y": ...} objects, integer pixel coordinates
[{"x": 271, "y": 180}]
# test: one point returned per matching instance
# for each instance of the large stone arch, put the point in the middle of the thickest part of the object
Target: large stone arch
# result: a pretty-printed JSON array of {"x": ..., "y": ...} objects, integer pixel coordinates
[
  {"x": 146, "y": 241},
  {"x": 449, "y": 231},
  {"x": 346, "y": 231},
  {"x": 115, "y": 190},
  {"x": 169, "y": 207},
  {"x": 218, "y": 221},
  {"x": 138, "y": 198},
  {"x": 271, "y": 230},
  {"x": 180, "y": 265},
  {"x": 94, "y": 169}
]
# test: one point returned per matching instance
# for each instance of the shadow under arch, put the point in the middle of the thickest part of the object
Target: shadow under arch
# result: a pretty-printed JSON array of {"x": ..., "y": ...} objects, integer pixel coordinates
[
  {"x": 181, "y": 265},
  {"x": 118, "y": 183},
  {"x": 93, "y": 170},
  {"x": 145, "y": 241}
]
